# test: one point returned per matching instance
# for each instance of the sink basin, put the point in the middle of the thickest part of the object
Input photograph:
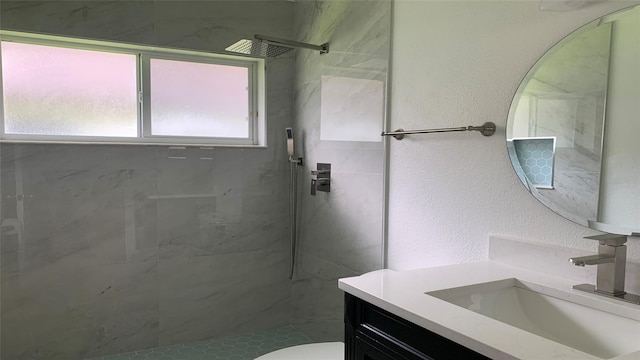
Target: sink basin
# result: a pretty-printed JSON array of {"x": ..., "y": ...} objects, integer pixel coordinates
[{"x": 598, "y": 328}]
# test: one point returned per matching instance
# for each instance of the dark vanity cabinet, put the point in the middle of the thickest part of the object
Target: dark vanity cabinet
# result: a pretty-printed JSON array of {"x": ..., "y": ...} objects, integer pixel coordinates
[{"x": 375, "y": 334}]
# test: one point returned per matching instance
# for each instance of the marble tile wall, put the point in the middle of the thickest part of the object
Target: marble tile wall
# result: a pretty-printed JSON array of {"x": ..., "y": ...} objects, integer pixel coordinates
[
  {"x": 117, "y": 248},
  {"x": 341, "y": 231}
]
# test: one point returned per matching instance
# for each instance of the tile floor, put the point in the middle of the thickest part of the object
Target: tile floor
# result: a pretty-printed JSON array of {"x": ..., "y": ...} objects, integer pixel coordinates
[{"x": 240, "y": 347}]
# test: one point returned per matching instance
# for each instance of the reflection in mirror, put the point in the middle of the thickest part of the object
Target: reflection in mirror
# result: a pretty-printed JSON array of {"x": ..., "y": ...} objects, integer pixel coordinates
[
  {"x": 583, "y": 94},
  {"x": 620, "y": 180}
]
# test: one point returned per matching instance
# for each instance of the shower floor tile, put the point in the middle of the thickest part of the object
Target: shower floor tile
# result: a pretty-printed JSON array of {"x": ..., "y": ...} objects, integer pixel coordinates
[{"x": 240, "y": 347}]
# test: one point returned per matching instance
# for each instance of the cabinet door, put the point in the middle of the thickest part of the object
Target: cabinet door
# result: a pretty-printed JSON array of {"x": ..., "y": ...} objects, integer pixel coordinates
[
  {"x": 375, "y": 334},
  {"x": 373, "y": 344}
]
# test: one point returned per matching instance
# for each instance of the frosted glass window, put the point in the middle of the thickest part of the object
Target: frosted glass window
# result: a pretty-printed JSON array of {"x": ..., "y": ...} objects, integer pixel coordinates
[
  {"x": 59, "y": 91},
  {"x": 199, "y": 99}
]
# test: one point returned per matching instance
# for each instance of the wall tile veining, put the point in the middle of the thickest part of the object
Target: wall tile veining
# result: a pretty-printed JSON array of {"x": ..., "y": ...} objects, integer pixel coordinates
[
  {"x": 123, "y": 247},
  {"x": 118, "y": 248},
  {"x": 341, "y": 231},
  {"x": 104, "y": 256}
]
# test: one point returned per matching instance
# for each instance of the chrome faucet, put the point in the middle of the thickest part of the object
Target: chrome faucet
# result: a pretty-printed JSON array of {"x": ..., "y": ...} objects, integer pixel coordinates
[{"x": 611, "y": 262}]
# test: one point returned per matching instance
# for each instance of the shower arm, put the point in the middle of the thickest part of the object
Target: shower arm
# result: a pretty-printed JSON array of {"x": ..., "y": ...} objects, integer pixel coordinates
[{"x": 323, "y": 49}]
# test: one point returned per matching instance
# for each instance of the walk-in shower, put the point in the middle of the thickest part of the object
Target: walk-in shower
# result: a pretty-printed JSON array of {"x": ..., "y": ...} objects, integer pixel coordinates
[{"x": 120, "y": 251}]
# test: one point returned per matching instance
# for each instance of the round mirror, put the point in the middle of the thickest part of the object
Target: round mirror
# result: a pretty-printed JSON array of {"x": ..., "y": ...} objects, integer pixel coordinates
[{"x": 573, "y": 132}]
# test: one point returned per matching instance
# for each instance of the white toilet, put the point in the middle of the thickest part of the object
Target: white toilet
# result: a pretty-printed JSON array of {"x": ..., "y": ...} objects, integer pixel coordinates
[{"x": 318, "y": 351}]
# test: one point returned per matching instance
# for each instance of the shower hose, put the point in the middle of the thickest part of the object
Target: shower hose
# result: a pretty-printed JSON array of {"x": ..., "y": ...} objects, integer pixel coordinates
[{"x": 293, "y": 205}]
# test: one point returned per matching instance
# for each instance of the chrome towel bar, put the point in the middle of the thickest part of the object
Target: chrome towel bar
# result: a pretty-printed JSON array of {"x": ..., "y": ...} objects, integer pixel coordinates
[{"x": 486, "y": 129}]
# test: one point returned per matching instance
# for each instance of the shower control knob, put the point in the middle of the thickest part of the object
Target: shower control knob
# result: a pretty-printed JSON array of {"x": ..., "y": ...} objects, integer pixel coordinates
[{"x": 322, "y": 182}]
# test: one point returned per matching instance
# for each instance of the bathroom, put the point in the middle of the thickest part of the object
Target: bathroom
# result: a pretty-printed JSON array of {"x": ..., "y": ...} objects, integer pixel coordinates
[{"x": 426, "y": 201}]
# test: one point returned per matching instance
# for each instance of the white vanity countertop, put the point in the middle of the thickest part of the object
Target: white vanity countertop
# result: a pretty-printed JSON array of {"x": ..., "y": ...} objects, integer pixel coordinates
[{"x": 403, "y": 293}]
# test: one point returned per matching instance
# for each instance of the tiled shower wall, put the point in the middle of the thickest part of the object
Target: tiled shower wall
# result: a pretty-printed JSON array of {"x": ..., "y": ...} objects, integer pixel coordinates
[
  {"x": 339, "y": 114},
  {"x": 107, "y": 249}
]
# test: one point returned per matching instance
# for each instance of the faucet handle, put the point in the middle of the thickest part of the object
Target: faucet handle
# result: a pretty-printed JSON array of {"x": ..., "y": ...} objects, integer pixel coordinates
[
  {"x": 609, "y": 239},
  {"x": 320, "y": 171}
]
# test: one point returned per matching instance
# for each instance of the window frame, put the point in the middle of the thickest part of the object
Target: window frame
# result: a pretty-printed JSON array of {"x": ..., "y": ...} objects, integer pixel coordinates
[
  {"x": 143, "y": 53},
  {"x": 146, "y": 123}
]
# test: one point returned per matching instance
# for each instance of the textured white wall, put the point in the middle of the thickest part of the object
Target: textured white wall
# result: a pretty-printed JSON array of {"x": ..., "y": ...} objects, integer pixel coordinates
[{"x": 458, "y": 63}]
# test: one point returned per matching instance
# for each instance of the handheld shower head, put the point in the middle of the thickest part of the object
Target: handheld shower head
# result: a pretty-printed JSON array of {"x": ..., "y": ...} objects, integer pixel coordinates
[{"x": 290, "y": 147}]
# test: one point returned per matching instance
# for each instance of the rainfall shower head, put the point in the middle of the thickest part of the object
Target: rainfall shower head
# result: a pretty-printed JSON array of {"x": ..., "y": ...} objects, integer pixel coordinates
[
  {"x": 258, "y": 48},
  {"x": 265, "y": 46}
]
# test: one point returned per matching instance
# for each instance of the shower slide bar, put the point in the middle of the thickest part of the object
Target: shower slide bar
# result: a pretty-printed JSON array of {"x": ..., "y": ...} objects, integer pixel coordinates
[{"x": 486, "y": 129}]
